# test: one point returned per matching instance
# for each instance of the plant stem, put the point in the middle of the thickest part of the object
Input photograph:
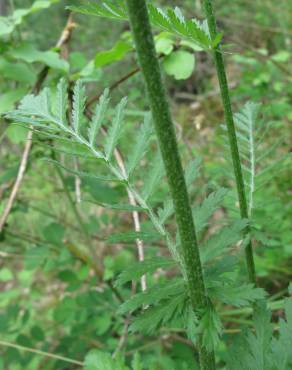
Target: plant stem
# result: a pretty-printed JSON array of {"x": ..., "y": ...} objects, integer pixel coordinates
[
  {"x": 165, "y": 132},
  {"x": 221, "y": 74}
]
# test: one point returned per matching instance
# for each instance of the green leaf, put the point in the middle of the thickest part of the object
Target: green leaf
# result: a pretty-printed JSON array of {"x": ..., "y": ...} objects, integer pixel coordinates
[
  {"x": 28, "y": 53},
  {"x": 153, "y": 177},
  {"x": 62, "y": 101},
  {"x": 7, "y": 100},
  {"x": 54, "y": 233},
  {"x": 98, "y": 117},
  {"x": 79, "y": 98},
  {"x": 152, "y": 318},
  {"x": 153, "y": 295},
  {"x": 115, "y": 54},
  {"x": 171, "y": 21},
  {"x": 137, "y": 270},
  {"x": 237, "y": 295},
  {"x": 114, "y": 131},
  {"x": 81, "y": 173},
  {"x": 164, "y": 43},
  {"x": 192, "y": 171},
  {"x": 179, "y": 64},
  {"x": 140, "y": 146},
  {"x": 98, "y": 360},
  {"x": 132, "y": 236},
  {"x": 221, "y": 241},
  {"x": 205, "y": 211},
  {"x": 210, "y": 327},
  {"x": 17, "y": 71},
  {"x": 16, "y": 134}
]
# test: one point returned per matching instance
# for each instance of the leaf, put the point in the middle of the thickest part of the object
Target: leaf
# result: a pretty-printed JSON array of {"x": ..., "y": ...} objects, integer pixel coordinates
[
  {"x": 140, "y": 146},
  {"x": 251, "y": 351},
  {"x": 98, "y": 360},
  {"x": 132, "y": 236},
  {"x": 82, "y": 173},
  {"x": 117, "y": 53},
  {"x": 8, "y": 99},
  {"x": 221, "y": 241},
  {"x": 210, "y": 327},
  {"x": 152, "y": 318},
  {"x": 114, "y": 131},
  {"x": 153, "y": 295},
  {"x": 179, "y": 64},
  {"x": 192, "y": 171},
  {"x": 62, "y": 101},
  {"x": 19, "y": 72},
  {"x": 206, "y": 209},
  {"x": 171, "y": 21},
  {"x": 153, "y": 177},
  {"x": 110, "y": 9},
  {"x": 29, "y": 54},
  {"x": 237, "y": 296},
  {"x": 137, "y": 270},
  {"x": 98, "y": 117},
  {"x": 78, "y": 106},
  {"x": 119, "y": 207}
]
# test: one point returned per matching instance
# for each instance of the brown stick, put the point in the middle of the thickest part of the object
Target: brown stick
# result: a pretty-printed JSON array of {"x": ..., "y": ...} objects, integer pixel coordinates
[{"x": 64, "y": 38}]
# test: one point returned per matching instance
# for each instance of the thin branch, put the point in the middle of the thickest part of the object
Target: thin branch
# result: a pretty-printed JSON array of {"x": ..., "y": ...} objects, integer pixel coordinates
[{"x": 42, "y": 353}]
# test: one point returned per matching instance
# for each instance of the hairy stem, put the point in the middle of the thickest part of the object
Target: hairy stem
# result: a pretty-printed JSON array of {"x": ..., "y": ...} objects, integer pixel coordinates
[
  {"x": 165, "y": 132},
  {"x": 221, "y": 73}
]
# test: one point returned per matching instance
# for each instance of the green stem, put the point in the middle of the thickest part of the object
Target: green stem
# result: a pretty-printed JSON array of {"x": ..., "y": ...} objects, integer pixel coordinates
[
  {"x": 221, "y": 74},
  {"x": 165, "y": 132},
  {"x": 42, "y": 353}
]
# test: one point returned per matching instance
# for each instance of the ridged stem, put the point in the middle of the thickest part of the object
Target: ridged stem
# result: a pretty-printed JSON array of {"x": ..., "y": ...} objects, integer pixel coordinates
[
  {"x": 221, "y": 73},
  {"x": 165, "y": 132}
]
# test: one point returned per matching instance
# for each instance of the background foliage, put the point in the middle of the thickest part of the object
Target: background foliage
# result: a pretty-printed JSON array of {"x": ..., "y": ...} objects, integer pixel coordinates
[{"x": 60, "y": 256}]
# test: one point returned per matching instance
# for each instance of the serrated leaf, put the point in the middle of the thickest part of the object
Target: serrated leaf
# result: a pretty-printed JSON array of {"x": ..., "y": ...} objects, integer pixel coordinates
[
  {"x": 82, "y": 173},
  {"x": 98, "y": 360},
  {"x": 206, "y": 209},
  {"x": 98, "y": 117},
  {"x": 62, "y": 101},
  {"x": 210, "y": 327},
  {"x": 236, "y": 295},
  {"x": 114, "y": 131},
  {"x": 171, "y": 21},
  {"x": 153, "y": 177},
  {"x": 137, "y": 270},
  {"x": 153, "y": 295},
  {"x": 221, "y": 241},
  {"x": 78, "y": 106},
  {"x": 140, "y": 146},
  {"x": 132, "y": 236},
  {"x": 152, "y": 318}
]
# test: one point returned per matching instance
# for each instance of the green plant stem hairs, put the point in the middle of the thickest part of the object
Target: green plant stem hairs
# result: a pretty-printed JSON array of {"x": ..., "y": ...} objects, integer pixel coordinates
[
  {"x": 221, "y": 73},
  {"x": 164, "y": 128}
]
